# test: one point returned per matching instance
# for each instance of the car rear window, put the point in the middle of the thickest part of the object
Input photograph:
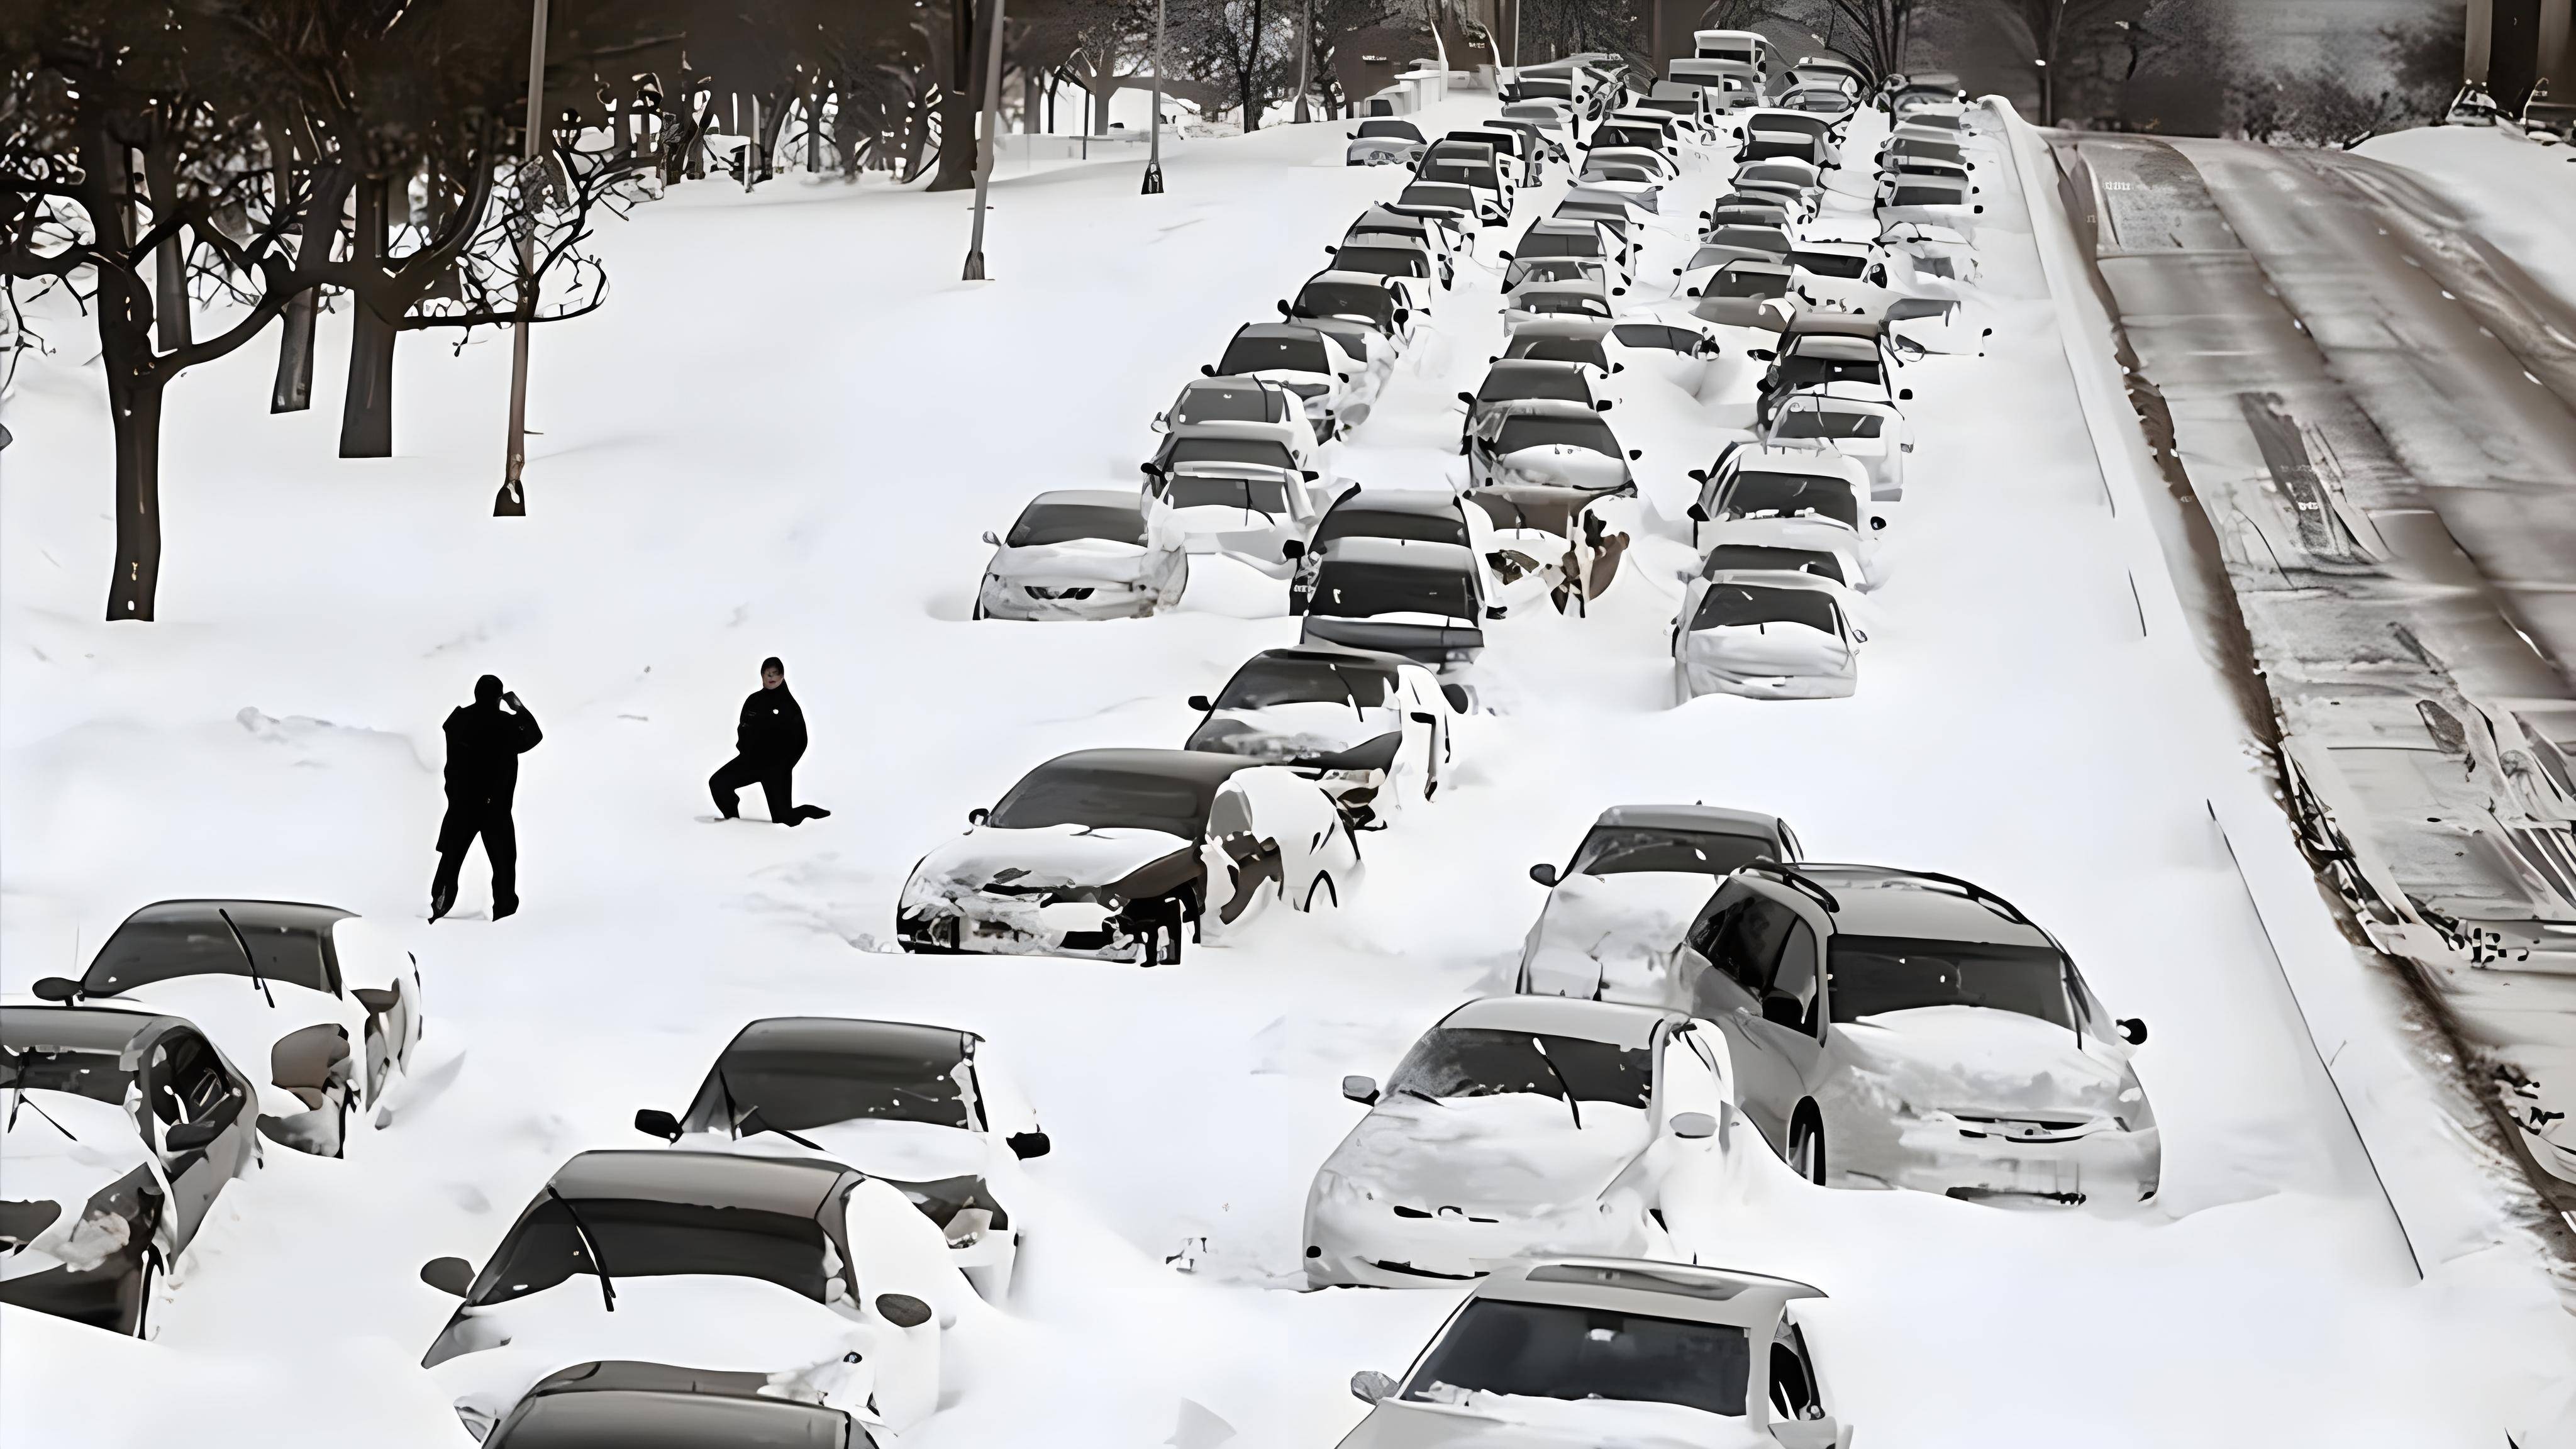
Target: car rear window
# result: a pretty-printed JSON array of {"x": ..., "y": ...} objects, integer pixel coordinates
[
  {"x": 1560, "y": 1351},
  {"x": 1389, "y": 523}
]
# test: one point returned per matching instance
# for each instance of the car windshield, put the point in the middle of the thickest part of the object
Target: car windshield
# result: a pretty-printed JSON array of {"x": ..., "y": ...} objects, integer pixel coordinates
[
  {"x": 1476, "y": 1061},
  {"x": 1759, "y": 238},
  {"x": 1390, "y": 130},
  {"x": 1385, "y": 261},
  {"x": 1924, "y": 196},
  {"x": 817, "y": 1086},
  {"x": 1559, "y": 244},
  {"x": 1252, "y": 452},
  {"x": 1790, "y": 495},
  {"x": 1044, "y": 523},
  {"x": 1266, "y": 354},
  {"x": 1830, "y": 264},
  {"x": 1090, "y": 795},
  {"x": 1357, "y": 591},
  {"x": 161, "y": 943},
  {"x": 1623, "y": 849},
  {"x": 1835, "y": 423},
  {"x": 1265, "y": 496},
  {"x": 1561, "y": 349},
  {"x": 1561, "y": 1351},
  {"x": 644, "y": 1239},
  {"x": 1745, "y": 282},
  {"x": 1563, "y": 304},
  {"x": 1808, "y": 369},
  {"x": 1748, "y": 605},
  {"x": 1230, "y": 405},
  {"x": 1390, "y": 523},
  {"x": 1537, "y": 382},
  {"x": 1869, "y": 976},
  {"x": 1539, "y": 432},
  {"x": 1355, "y": 299},
  {"x": 36, "y": 1068},
  {"x": 673, "y": 1421},
  {"x": 1261, "y": 683}
]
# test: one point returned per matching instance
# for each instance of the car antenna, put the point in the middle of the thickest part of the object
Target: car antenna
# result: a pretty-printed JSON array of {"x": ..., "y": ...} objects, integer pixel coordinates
[
  {"x": 589, "y": 1244},
  {"x": 1540, "y": 1043},
  {"x": 247, "y": 958}
]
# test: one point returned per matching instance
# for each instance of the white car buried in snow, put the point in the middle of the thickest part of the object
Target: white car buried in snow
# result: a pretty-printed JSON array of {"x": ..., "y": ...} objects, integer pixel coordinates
[
  {"x": 324, "y": 1000},
  {"x": 1246, "y": 403},
  {"x": 1765, "y": 635},
  {"x": 1116, "y": 854},
  {"x": 1541, "y": 440},
  {"x": 926, "y": 1108},
  {"x": 823, "y": 1280},
  {"x": 1519, "y": 1125},
  {"x": 1855, "y": 421},
  {"x": 1232, "y": 489},
  {"x": 1615, "y": 915},
  {"x": 1335, "y": 386},
  {"x": 1084, "y": 553},
  {"x": 1797, "y": 498},
  {"x": 1371, "y": 729}
]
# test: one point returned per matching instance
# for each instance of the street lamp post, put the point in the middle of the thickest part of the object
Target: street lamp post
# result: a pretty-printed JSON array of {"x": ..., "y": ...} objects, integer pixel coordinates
[
  {"x": 1305, "y": 48},
  {"x": 1154, "y": 124},
  {"x": 512, "y": 501},
  {"x": 986, "y": 151}
]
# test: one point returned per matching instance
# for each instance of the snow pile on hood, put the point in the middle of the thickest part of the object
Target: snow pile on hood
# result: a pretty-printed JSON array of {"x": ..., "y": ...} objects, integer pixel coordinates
[
  {"x": 1282, "y": 732},
  {"x": 1528, "y": 1421},
  {"x": 61, "y": 1148},
  {"x": 1613, "y": 936},
  {"x": 1517, "y": 1154},
  {"x": 1986, "y": 1061},
  {"x": 1787, "y": 649},
  {"x": 1050, "y": 856},
  {"x": 1101, "y": 559}
]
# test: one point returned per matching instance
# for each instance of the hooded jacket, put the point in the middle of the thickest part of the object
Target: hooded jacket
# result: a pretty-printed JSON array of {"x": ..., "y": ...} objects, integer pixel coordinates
[{"x": 771, "y": 733}]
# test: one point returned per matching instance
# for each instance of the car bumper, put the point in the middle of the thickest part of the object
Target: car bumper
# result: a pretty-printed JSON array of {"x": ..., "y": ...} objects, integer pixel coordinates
[
  {"x": 1365, "y": 1245},
  {"x": 1016, "y": 927},
  {"x": 1700, "y": 678},
  {"x": 1980, "y": 1161},
  {"x": 1004, "y": 599}
]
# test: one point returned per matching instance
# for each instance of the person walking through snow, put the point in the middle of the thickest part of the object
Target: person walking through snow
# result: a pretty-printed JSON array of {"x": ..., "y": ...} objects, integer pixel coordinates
[
  {"x": 484, "y": 742},
  {"x": 767, "y": 742}
]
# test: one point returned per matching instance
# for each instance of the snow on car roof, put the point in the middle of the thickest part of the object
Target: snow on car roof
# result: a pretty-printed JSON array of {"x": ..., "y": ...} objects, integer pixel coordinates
[
  {"x": 1615, "y": 1022},
  {"x": 1411, "y": 553},
  {"x": 1341, "y": 654},
  {"x": 791, "y": 1186},
  {"x": 1663, "y": 1290},
  {"x": 1196, "y": 766},
  {"x": 1817, "y": 462},
  {"x": 1589, "y": 329},
  {"x": 1879, "y": 900},
  {"x": 857, "y": 1037},
  {"x": 1714, "y": 819},
  {"x": 1091, "y": 498}
]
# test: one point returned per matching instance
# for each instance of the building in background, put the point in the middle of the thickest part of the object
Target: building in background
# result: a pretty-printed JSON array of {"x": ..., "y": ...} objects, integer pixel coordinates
[{"x": 2514, "y": 45}]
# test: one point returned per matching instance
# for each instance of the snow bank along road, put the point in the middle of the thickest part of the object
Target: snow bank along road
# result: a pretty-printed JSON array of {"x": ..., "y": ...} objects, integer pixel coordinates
[{"x": 785, "y": 437}]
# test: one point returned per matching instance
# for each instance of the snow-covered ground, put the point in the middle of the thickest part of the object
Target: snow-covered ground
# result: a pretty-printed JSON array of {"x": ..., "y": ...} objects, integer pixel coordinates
[
  {"x": 2517, "y": 192},
  {"x": 785, "y": 435}
]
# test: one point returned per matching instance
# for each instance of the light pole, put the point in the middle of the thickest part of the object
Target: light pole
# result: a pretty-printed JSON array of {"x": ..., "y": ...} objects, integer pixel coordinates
[
  {"x": 1154, "y": 126},
  {"x": 512, "y": 500},
  {"x": 985, "y": 150},
  {"x": 1305, "y": 48}
]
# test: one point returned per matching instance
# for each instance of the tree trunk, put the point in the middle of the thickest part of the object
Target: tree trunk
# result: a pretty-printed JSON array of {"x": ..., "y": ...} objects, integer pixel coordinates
[
  {"x": 367, "y": 406},
  {"x": 294, "y": 390},
  {"x": 814, "y": 129},
  {"x": 136, "y": 411},
  {"x": 169, "y": 259},
  {"x": 958, "y": 101}
]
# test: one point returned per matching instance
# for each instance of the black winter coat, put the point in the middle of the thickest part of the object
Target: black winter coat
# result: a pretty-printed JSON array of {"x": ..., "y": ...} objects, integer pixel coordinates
[
  {"x": 483, "y": 747},
  {"x": 772, "y": 732}
]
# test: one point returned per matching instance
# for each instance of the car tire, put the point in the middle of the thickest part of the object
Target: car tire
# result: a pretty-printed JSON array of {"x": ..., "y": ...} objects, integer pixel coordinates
[
  {"x": 1323, "y": 881},
  {"x": 1807, "y": 1145}
]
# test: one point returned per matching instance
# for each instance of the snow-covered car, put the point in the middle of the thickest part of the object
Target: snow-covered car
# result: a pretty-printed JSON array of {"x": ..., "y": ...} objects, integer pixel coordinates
[
  {"x": 1562, "y": 541},
  {"x": 1583, "y": 299},
  {"x": 1674, "y": 347},
  {"x": 1522, "y": 379},
  {"x": 1726, "y": 246},
  {"x": 1375, "y": 302},
  {"x": 1616, "y": 913},
  {"x": 1911, "y": 197},
  {"x": 1806, "y": 358},
  {"x": 1516, "y": 151},
  {"x": 1897, "y": 1028},
  {"x": 327, "y": 1000},
  {"x": 1935, "y": 250},
  {"x": 1517, "y": 1126},
  {"x": 1117, "y": 854},
  {"x": 1798, "y": 184},
  {"x": 1863, "y": 427},
  {"x": 1085, "y": 553},
  {"x": 1576, "y": 1353},
  {"x": 1436, "y": 231},
  {"x": 1934, "y": 324},
  {"x": 1232, "y": 489},
  {"x": 122, "y": 1127},
  {"x": 1421, "y": 514},
  {"x": 1472, "y": 208},
  {"x": 1735, "y": 296},
  {"x": 1551, "y": 116},
  {"x": 1372, "y": 729},
  {"x": 1494, "y": 178},
  {"x": 1581, "y": 237},
  {"x": 1423, "y": 600},
  {"x": 822, "y": 1279},
  {"x": 1765, "y": 635},
  {"x": 1243, "y": 402},
  {"x": 1335, "y": 387},
  {"x": 1522, "y": 274},
  {"x": 1540, "y": 440},
  {"x": 655, "y": 1406},
  {"x": 927, "y": 1108},
  {"x": 1799, "y": 498},
  {"x": 1773, "y": 133},
  {"x": 1657, "y": 167},
  {"x": 1381, "y": 230},
  {"x": 1385, "y": 141},
  {"x": 1846, "y": 276},
  {"x": 1402, "y": 263}
]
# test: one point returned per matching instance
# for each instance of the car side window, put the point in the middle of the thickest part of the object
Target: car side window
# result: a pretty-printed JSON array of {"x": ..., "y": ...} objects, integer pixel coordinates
[
  {"x": 1795, "y": 978},
  {"x": 187, "y": 1076},
  {"x": 1748, "y": 946},
  {"x": 1713, "y": 918}
]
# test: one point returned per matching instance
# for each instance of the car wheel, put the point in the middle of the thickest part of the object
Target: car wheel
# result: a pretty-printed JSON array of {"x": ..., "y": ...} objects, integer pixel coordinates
[
  {"x": 1807, "y": 1145},
  {"x": 1323, "y": 882}
]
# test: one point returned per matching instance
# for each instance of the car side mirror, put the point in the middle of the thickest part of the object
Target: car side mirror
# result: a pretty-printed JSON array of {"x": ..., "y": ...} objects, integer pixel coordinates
[
  {"x": 654, "y": 1122},
  {"x": 1781, "y": 1009},
  {"x": 1635, "y": 453},
  {"x": 1025, "y": 1145},
  {"x": 1201, "y": 703},
  {"x": 1468, "y": 398},
  {"x": 1698, "y": 513},
  {"x": 2133, "y": 1030},
  {"x": 191, "y": 1136},
  {"x": 1506, "y": 256},
  {"x": 451, "y": 1276},
  {"x": 1495, "y": 611},
  {"x": 1544, "y": 874},
  {"x": 902, "y": 1310},
  {"x": 1207, "y": 369},
  {"x": 1905, "y": 394},
  {"x": 1877, "y": 521},
  {"x": 1294, "y": 548},
  {"x": 1458, "y": 697},
  {"x": 992, "y": 538},
  {"x": 1618, "y": 367},
  {"x": 1362, "y": 1090},
  {"x": 60, "y": 989},
  {"x": 1150, "y": 469},
  {"x": 978, "y": 815},
  {"x": 1618, "y": 291},
  {"x": 1369, "y": 1386},
  {"x": 1601, "y": 405},
  {"x": 1354, "y": 135},
  {"x": 1694, "y": 1125},
  {"x": 1980, "y": 207},
  {"x": 1677, "y": 271},
  {"x": 1423, "y": 717}
]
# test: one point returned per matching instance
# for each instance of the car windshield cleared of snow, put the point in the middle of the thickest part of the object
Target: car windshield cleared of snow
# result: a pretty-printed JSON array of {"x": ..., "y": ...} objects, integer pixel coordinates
[
  {"x": 1261, "y": 683},
  {"x": 1477, "y": 1061},
  {"x": 1833, "y": 423},
  {"x": 1237, "y": 452},
  {"x": 1347, "y": 299},
  {"x": 644, "y": 1239},
  {"x": 1389, "y": 130},
  {"x": 1044, "y": 523},
  {"x": 1358, "y": 591},
  {"x": 1830, "y": 264},
  {"x": 1927, "y": 196},
  {"x": 159, "y": 943},
  {"x": 1756, "y": 238},
  {"x": 799, "y": 1087},
  {"x": 1384, "y": 261},
  {"x": 1561, "y": 349},
  {"x": 38, "y": 1068},
  {"x": 1625, "y": 849},
  {"x": 1087, "y": 795},
  {"x": 1391, "y": 523},
  {"x": 1229, "y": 405},
  {"x": 1807, "y": 369},
  {"x": 1562, "y": 1351},
  {"x": 1267, "y": 354},
  {"x": 1559, "y": 304},
  {"x": 1789, "y": 495},
  {"x": 1268, "y": 496},
  {"x": 1559, "y": 244},
  {"x": 1540, "y": 432},
  {"x": 1869, "y": 976},
  {"x": 674, "y": 1421},
  {"x": 1744, "y": 557},
  {"x": 1521, "y": 383},
  {"x": 1749, "y": 605}
]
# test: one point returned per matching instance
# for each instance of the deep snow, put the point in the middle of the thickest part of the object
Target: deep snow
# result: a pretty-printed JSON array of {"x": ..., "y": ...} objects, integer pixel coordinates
[
  {"x": 785, "y": 435},
  {"x": 2515, "y": 192}
]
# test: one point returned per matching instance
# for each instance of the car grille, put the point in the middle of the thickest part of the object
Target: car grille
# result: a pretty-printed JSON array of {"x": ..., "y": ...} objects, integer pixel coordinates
[{"x": 1037, "y": 592}]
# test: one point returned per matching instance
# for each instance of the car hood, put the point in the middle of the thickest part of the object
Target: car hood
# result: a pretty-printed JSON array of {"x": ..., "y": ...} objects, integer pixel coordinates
[
  {"x": 895, "y": 1151},
  {"x": 1026, "y": 862},
  {"x": 1516, "y": 1421},
  {"x": 1984, "y": 1061},
  {"x": 718, "y": 1324},
  {"x": 1283, "y": 733},
  {"x": 61, "y": 1149},
  {"x": 1614, "y": 935},
  {"x": 1767, "y": 649},
  {"x": 1517, "y": 1154},
  {"x": 1088, "y": 558}
]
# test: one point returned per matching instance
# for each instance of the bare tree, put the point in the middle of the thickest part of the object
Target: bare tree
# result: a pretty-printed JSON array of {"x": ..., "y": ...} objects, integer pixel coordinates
[
  {"x": 2064, "y": 40},
  {"x": 1243, "y": 48}
]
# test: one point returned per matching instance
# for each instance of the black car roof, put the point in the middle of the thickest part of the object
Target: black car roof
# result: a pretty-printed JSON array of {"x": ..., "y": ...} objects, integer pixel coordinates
[
  {"x": 797, "y": 1188},
  {"x": 297, "y": 916},
  {"x": 1399, "y": 500},
  {"x": 941, "y": 1045},
  {"x": 1336, "y": 654},
  {"x": 639, "y": 1405},
  {"x": 1196, "y": 766},
  {"x": 75, "y": 1028}
]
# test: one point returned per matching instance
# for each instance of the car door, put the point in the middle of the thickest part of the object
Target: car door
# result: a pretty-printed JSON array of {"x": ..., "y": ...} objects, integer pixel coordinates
[
  {"x": 1728, "y": 959},
  {"x": 185, "y": 1082}
]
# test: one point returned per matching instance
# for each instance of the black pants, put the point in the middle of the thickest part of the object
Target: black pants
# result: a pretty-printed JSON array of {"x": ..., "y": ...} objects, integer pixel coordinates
[
  {"x": 465, "y": 820},
  {"x": 777, "y": 782}
]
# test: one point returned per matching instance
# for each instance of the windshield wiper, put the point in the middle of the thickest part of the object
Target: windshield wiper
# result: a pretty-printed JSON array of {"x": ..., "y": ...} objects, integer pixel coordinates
[
  {"x": 1570, "y": 1104},
  {"x": 1426, "y": 1096},
  {"x": 18, "y": 1099},
  {"x": 590, "y": 1245},
  {"x": 737, "y": 1120},
  {"x": 247, "y": 958}
]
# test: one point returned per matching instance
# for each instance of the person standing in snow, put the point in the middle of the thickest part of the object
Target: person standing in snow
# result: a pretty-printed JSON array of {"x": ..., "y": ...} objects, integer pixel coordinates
[
  {"x": 767, "y": 742},
  {"x": 484, "y": 742}
]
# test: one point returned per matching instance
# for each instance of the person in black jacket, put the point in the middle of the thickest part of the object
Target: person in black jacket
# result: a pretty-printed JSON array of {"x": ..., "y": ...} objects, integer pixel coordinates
[
  {"x": 767, "y": 742},
  {"x": 484, "y": 742}
]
